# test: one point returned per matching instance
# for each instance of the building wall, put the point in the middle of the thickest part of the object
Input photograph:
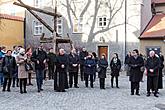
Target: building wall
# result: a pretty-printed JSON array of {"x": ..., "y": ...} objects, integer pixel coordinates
[
  {"x": 12, "y": 33},
  {"x": 148, "y": 43},
  {"x": 152, "y": 43},
  {"x": 160, "y": 9},
  {"x": 146, "y": 13}
]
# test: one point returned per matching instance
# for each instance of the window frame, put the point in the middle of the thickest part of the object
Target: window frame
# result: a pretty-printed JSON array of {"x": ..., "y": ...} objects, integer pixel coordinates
[
  {"x": 102, "y": 21},
  {"x": 79, "y": 25},
  {"x": 34, "y": 28}
]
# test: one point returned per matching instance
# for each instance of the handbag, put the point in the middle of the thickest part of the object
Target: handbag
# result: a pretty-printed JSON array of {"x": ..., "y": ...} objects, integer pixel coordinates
[
  {"x": 98, "y": 69},
  {"x": 142, "y": 69},
  {"x": 5, "y": 69},
  {"x": 28, "y": 67}
]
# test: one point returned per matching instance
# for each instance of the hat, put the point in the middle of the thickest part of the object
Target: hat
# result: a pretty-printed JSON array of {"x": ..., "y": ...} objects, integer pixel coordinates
[{"x": 22, "y": 50}]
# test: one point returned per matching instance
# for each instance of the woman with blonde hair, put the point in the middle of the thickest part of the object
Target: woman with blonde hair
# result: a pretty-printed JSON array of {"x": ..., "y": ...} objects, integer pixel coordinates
[{"x": 22, "y": 72}]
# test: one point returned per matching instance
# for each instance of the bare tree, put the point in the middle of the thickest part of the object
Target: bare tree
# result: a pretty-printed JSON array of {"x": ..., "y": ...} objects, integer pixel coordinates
[{"x": 113, "y": 9}]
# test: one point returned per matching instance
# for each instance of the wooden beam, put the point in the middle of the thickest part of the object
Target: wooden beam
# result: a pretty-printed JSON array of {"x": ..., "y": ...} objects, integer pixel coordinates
[
  {"x": 36, "y": 9},
  {"x": 37, "y": 17}
]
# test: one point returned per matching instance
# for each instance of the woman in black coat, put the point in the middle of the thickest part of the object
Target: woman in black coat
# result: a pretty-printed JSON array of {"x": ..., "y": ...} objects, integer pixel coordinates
[
  {"x": 8, "y": 68},
  {"x": 89, "y": 70},
  {"x": 115, "y": 69},
  {"x": 103, "y": 64}
]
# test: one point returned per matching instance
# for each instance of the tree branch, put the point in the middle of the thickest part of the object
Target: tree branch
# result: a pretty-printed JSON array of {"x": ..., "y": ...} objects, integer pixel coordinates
[
  {"x": 85, "y": 8},
  {"x": 97, "y": 6},
  {"x": 70, "y": 8},
  {"x": 106, "y": 29}
]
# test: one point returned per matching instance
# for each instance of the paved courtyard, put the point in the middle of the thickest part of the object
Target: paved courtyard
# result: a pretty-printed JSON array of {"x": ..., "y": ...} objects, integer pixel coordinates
[{"x": 82, "y": 98}]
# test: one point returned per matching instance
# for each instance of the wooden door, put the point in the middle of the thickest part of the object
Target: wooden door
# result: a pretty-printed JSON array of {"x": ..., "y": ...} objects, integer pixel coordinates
[{"x": 101, "y": 50}]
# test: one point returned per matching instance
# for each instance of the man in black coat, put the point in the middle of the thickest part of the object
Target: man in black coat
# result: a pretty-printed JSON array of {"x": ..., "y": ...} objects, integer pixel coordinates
[
  {"x": 135, "y": 62},
  {"x": 83, "y": 55},
  {"x": 39, "y": 57},
  {"x": 51, "y": 63},
  {"x": 160, "y": 79},
  {"x": 152, "y": 66},
  {"x": 60, "y": 78},
  {"x": 73, "y": 68}
]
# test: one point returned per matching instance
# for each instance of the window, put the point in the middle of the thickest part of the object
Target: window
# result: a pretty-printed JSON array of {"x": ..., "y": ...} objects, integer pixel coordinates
[
  {"x": 38, "y": 3},
  {"x": 59, "y": 25},
  {"x": 38, "y": 28},
  {"x": 102, "y": 22},
  {"x": 78, "y": 25}
]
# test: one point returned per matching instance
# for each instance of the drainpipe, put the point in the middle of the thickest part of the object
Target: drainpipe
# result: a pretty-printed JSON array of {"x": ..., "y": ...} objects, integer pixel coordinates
[{"x": 125, "y": 39}]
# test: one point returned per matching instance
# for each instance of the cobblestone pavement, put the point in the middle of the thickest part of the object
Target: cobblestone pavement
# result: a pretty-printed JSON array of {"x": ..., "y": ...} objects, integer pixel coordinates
[{"x": 81, "y": 98}]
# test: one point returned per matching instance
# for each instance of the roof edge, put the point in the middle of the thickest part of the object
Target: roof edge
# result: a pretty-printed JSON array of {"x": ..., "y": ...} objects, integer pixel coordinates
[
  {"x": 10, "y": 17},
  {"x": 147, "y": 26}
]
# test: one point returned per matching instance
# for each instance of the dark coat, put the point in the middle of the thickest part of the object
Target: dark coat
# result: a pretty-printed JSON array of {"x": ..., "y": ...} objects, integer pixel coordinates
[
  {"x": 40, "y": 56},
  {"x": 73, "y": 60},
  {"x": 51, "y": 59},
  {"x": 153, "y": 63},
  {"x": 60, "y": 79},
  {"x": 62, "y": 60},
  {"x": 103, "y": 64},
  {"x": 89, "y": 66},
  {"x": 160, "y": 78},
  {"x": 82, "y": 56},
  {"x": 10, "y": 63},
  {"x": 135, "y": 71},
  {"x": 115, "y": 67}
]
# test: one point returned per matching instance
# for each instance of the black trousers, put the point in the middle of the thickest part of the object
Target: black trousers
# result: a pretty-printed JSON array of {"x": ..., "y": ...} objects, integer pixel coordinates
[
  {"x": 7, "y": 82},
  {"x": 86, "y": 77},
  {"x": 44, "y": 74},
  {"x": 112, "y": 79},
  {"x": 73, "y": 75},
  {"x": 23, "y": 83},
  {"x": 15, "y": 79},
  {"x": 135, "y": 86},
  {"x": 102, "y": 83},
  {"x": 29, "y": 78},
  {"x": 82, "y": 72},
  {"x": 152, "y": 83},
  {"x": 51, "y": 72}
]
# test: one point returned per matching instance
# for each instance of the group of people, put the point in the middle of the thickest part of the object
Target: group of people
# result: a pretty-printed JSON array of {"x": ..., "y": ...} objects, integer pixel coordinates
[
  {"x": 18, "y": 65},
  {"x": 12, "y": 68},
  {"x": 151, "y": 65}
]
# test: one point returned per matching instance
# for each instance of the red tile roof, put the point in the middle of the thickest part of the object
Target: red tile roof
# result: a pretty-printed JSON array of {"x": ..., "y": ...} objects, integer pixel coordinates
[
  {"x": 158, "y": 1},
  {"x": 155, "y": 29},
  {"x": 6, "y": 16}
]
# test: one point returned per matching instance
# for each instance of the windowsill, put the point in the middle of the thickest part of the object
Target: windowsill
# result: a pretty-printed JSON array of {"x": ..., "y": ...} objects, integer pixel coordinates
[
  {"x": 77, "y": 32},
  {"x": 37, "y": 35}
]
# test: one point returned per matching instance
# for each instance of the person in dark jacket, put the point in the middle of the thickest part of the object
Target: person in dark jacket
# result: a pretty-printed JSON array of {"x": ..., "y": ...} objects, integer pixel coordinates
[
  {"x": 152, "y": 67},
  {"x": 73, "y": 68},
  {"x": 115, "y": 69},
  {"x": 102, "y": 68},
  {"x": 39, "y": 57},
  {"x": 96, "y": 60},
  {"x": 8, "y": 66},
  {"x": 160, "y": 79},
  {"x": 135, "y": 62},
  {"x": 51, "y": 63},
  {"x": 60, "y": 80},
  {"x": 127, "y": 68},
  {"x": 83, "y": 55},
  {"x": 2, "y": 55},
  {"x": 89, "y": 70},
  {"x": 30, "y": 63}
]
